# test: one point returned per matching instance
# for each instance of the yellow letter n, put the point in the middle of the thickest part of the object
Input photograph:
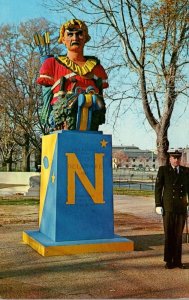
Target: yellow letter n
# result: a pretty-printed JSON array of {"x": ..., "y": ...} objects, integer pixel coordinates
[{"x": 74, "y": 167}]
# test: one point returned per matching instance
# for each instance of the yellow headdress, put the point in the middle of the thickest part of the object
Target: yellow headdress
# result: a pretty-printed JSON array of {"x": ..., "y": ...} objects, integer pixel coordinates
[{"x": 70, "y": 25}]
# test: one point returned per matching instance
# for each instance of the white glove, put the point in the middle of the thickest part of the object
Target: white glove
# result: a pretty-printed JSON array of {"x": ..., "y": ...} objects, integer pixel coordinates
[{"x": 159, "y": 210}]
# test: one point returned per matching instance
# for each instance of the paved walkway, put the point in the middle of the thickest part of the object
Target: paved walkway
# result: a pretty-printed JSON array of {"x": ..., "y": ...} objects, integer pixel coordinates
[{"x": 139, "y": 274}]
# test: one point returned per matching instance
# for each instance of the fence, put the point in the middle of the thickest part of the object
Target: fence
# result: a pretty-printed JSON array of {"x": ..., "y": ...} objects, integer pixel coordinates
[{"x": 137, "y": 180}]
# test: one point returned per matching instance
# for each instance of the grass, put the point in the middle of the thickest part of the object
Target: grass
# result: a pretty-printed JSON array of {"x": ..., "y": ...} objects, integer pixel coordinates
[
  {"x": 18, "y": 201},
  {"x": 130, "y": 192},
  {"x": 33, "y": 201}
]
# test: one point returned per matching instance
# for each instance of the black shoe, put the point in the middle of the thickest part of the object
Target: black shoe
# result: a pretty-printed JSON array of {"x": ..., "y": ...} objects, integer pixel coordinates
[
  {"x": 169, "y": 266},
  {"x": 180, "y": 266}
]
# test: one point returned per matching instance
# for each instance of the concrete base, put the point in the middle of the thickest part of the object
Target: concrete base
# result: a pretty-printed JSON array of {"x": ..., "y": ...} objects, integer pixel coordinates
[
  {"x": 13, "y": 189},
  {"x": 33, "y": 191},
  {"x": 46, "y": 247},
  {"x": 13, "y": 183}
]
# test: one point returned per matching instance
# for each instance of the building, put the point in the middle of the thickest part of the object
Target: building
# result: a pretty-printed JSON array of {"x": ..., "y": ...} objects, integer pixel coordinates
[
  {"x": 185, "y": 157},
  {"x": 133, "y": 157}
]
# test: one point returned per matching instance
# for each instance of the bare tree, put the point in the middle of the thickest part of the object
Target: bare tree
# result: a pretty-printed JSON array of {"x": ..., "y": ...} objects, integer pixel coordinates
[
  {"x": 8, "y": 147},
  {"x": 20, "y": 96},
  {"x": 145, "y": 47}
]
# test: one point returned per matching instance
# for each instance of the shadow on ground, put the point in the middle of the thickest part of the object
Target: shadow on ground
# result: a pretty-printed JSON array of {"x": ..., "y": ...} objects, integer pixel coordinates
[{"x": 146, "y": 242}]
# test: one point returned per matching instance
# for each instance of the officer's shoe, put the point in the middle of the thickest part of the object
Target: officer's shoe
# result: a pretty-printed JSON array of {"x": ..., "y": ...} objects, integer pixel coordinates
[
  {"x": 169, "y": 266},
  {"x": 180, "y": 266}
]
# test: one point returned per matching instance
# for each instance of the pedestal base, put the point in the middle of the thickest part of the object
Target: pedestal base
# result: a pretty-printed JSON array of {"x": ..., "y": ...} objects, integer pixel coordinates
[{"x": 46, "y": 247}]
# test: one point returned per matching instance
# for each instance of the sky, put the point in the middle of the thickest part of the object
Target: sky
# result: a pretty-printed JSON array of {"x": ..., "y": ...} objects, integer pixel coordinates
[
  {"x": 16, "y": 11},
  {"x": 129, "y": 130}
]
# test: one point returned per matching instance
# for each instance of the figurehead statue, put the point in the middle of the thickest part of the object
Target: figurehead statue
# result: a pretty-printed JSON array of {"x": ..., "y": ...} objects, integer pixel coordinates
[
  {"x": 71, "y": 26},
  {"x": 74, "y": 83}
]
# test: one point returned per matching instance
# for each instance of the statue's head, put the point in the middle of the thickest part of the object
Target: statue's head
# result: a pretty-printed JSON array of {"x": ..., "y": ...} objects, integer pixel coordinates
[{"x": 74, "y": 25}]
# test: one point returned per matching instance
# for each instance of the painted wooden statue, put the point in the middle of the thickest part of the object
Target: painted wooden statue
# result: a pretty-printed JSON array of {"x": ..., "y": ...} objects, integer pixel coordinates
[
  {"x": 73, "y": 83},
  {"x": 76, "y": 186}
]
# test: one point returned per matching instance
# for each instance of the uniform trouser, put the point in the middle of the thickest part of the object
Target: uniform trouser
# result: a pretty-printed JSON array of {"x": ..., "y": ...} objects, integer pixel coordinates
[{"x": 173, "y": 229}]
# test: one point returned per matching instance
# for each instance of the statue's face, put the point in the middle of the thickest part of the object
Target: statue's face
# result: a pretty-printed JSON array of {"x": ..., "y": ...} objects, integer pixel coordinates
[{"x": 74, "y": 39}]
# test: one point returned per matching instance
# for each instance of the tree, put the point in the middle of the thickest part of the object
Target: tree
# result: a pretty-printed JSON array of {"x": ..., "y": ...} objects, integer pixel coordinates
[
  {"x": 20, "y": 96},
  {"x": 8, "y": 146},
  {"x": 121, "y": 158},
  {"x": 151, "y": 38}
]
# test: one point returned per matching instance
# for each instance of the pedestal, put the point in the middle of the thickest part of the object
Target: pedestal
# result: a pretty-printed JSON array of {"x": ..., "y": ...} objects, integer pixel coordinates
[{"x": 76, "y": 196}]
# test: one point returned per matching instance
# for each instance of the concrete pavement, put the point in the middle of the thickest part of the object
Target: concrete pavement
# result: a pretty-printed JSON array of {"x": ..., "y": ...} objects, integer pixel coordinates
[{"x": 139, "y": 274}]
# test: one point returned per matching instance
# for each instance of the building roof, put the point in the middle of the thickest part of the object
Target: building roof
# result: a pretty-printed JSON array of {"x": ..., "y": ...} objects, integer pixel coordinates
[{"x": 134, "y": 152}]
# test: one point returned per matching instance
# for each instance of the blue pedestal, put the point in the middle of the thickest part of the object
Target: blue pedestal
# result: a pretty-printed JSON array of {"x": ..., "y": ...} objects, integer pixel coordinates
[{"x": 76, "y": 196}]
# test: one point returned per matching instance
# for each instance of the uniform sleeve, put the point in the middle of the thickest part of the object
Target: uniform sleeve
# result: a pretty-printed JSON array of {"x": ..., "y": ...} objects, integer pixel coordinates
[
  {"x": 159, "y": 185},
  {"x": 46, "y": 72}
]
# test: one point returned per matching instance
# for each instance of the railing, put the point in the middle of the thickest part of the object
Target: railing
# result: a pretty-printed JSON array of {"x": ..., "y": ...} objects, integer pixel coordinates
[{"x": 137, "y": 180}]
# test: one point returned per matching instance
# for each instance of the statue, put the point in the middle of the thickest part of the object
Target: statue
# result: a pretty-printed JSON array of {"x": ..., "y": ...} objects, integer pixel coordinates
[
  {"x": 73, "y": 83},
  {"x": 76, "y": 186}
]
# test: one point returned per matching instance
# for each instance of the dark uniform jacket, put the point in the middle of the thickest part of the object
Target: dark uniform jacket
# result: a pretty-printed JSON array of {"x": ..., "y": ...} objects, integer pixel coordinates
[{"x": 172, "y": 190}]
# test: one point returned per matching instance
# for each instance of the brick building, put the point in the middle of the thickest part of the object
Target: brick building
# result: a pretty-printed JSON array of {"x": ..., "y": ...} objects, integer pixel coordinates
[{"x": 133, "y": 157}]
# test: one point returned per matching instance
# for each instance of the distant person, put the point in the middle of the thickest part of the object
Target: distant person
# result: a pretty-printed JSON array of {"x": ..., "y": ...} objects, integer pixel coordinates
[
  {"x": 77, "y": 81},
  {"x": 171, "y": 200}
]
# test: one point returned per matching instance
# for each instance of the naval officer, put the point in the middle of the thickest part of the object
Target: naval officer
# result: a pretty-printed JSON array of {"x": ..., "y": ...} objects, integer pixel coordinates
[{"x": 171, "y": 200}]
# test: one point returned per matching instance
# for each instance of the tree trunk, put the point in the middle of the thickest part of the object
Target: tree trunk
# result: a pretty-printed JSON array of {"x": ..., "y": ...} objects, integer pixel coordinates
[
  {"x": 9, "y": 166},
  {"x": 26, "y": 155},
  {"x": 37, "y": 160},
  {"x": 9, "y": 161},
  {"x": 162, "y": 146}
]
